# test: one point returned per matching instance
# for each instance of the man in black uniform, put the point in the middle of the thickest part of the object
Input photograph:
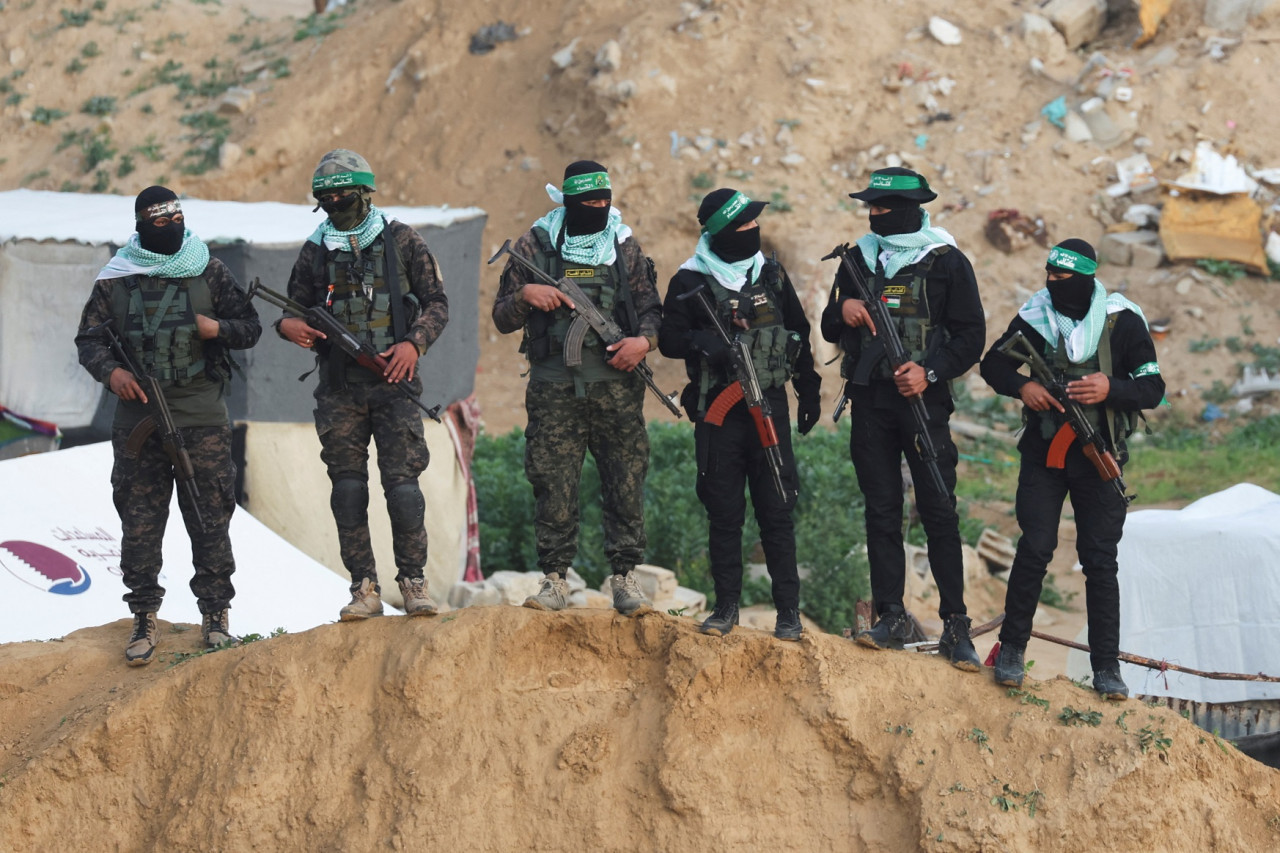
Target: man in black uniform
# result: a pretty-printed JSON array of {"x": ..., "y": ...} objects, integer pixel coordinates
[
  {"x": 380, "y": 280},
  {"x": 596, "y": 405},
  {"x": 180, "y": 311},
  {"x": 1100, "y": 346},
  {"x": 756, "y": 302},
  {"x": 928, "y": 287}
]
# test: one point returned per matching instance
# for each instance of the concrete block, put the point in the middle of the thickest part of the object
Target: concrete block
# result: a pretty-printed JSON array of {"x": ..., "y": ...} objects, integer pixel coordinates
[
  {"x": 658, "y": 583},
  {"x": 1118, "y": 247},
  {"x": 1147, "y": 256},
  {"x": 1079, "y": 21}
]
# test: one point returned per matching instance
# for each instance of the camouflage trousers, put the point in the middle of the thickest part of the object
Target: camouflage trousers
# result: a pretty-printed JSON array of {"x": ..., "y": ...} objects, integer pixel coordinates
[
  {"x": 608, "y": 421},
  {"x": 346, "y": 419},
  {"x": 142, "y": 488}
]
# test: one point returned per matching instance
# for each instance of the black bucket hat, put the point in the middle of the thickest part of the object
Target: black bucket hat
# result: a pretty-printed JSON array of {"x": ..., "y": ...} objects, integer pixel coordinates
[
  {"x": 716, "y": 213},
  {"x": 896, "y": 183}
]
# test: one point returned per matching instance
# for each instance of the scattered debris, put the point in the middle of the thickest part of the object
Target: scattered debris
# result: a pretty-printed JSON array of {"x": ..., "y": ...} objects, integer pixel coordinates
[
  {"x": 1203, "y": 225},
  {"x": 1009, "y": 231},
  {"x": 944, "y": 31},
  {"x": 487, "y": 38}
]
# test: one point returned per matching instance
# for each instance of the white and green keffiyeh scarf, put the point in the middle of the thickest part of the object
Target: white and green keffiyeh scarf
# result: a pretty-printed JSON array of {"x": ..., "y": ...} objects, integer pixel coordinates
[
  {"x": 731, "y": 276},
  {"x": 131, "y": 259},
  {"x": 365, "y": 233},
  {"x": 1080, "y": 336},
  {"x": 899, "y": 250},
  {"x": 591, "y": 249}
]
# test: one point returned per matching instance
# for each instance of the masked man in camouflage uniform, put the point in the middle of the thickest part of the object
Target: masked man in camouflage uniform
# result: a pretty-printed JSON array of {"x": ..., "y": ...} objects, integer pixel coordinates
[
  {"x": 380, "y": 280},
  {"x": 928, "y": 288},
  {"x": 597, "y": 405},
  {"x": 180, "y": 311},
  {"x": 757, "y": 303}
]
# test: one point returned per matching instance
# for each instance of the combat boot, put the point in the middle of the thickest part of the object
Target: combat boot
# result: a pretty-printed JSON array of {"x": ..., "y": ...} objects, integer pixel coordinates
[
  {"x": 215, "y": 629},
  {"x": 628, "y": 599},
  {"x": 553, "y": 594},
  {"x": 1109, "y": 684},
  {"x": 143, "y": 642},
  {"x": 722, "y": 619},
  {"x": 788, "y": 626},
  {"x": 416, "y": 600},
  {"x": 890, "y": 631},
  {"x": 365, "y": 602},
  {"x": 1009, "y": 668},
  {"x": 955, "y": 644}
]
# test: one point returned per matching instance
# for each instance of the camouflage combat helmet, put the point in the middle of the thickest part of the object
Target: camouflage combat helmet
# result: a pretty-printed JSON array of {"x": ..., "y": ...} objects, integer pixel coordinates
[{"x": 341, "y": 168}]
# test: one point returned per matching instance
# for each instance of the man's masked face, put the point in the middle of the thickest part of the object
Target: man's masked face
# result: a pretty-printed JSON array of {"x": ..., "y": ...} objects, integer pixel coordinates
[
  {"x": 162, "y": 228},
  {"x": 346, "y": 208}
]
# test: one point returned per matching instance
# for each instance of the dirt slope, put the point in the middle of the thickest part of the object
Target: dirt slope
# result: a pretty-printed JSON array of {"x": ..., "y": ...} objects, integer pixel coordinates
[
  {"x": 792, "y": 101},
  {"x": 508, "y": 729}
]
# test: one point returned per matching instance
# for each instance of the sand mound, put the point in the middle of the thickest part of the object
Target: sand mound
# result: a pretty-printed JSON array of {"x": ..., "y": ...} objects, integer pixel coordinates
[{"x": 508, "y": 729}]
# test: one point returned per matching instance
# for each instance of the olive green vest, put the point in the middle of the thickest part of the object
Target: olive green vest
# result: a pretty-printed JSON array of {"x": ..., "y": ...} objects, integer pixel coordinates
[
  {"x": 772, "y": 346},
  {"x": 1122, "y": 424},
  {"x": 905, "y": 297},
  {"x": 545, "y": 332},
  {"x": 365, "y": 295}
]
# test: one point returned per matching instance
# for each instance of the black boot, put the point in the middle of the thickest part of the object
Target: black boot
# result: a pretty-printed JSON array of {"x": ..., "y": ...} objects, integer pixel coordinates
[
  {"x": 955, "y": 644},
  {"x": 890, "y": 631},
  {"x": 1109, "y": 684},
  {"x": 788, "y": 626},
  {"x": 1009, "y": 667},
  {"x": 721, "y": 620}
]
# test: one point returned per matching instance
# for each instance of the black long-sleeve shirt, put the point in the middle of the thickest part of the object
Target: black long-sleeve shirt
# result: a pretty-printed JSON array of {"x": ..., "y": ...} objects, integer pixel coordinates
[
  {"x": 951, "y": 291},
  {"x": 682, "y": 318}
]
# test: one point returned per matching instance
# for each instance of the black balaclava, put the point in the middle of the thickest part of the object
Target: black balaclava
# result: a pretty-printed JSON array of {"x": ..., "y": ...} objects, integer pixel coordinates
[
  {"x": 1071, "y": 296},
  {"x": 347, "y": 213},
  {"x": 735, "y": 246},
  {"x": 162, "y": 241},
  {"x": 581, "y": 218},
  {"x": 904, "y": 216}
]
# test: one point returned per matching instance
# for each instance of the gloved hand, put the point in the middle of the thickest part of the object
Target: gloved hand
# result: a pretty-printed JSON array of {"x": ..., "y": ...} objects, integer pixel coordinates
[
  {"x": 711, "y": 345},
  {"x": 808, "y": 413}
]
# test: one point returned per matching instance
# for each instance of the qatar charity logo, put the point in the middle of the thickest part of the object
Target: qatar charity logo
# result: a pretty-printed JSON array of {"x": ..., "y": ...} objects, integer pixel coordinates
[{"x": 43, "y": 567}]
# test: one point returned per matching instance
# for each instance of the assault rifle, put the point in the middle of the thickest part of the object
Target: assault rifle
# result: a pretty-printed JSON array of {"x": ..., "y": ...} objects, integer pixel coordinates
[
  {"x": 896, "y": 353},
  {"x": 586, "y": 315},
  {"x": 340, "y": 336},
  {"x": 158, "y": 418},
  {"x": 1076, "y": 424},
  {"x": 745, "y": 386}
]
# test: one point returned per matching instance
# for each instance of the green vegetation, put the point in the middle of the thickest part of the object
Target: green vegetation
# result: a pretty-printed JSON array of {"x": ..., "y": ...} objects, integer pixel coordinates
[
  {"x": 1071, "y": 717},
  {"x": 73, "y": 19},
  {"x": 319, "y": 26},
  {"x": 702, "y": 181},
  {"x": 90, "y": 50},
  {"x": 46, "y": 115},
  {"x": 1228, "y": 271},
  {"x": 979, "y": 737},
  {"x": 1149, "y": 738},
  {"x": 1009, "y": 800},
  {"x": 1028, "y": 698},
  {"x": 1181, "y": 461},
  {"x": 99, "y": 105},
  {"x": 75, "y": 66},
  {"x": 209, "y": 131}
]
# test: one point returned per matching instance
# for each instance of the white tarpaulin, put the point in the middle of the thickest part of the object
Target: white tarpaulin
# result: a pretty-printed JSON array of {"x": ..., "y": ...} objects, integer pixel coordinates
[
  {"x": 60, "y": 553},
  {"x": 1200, "y": 587}
]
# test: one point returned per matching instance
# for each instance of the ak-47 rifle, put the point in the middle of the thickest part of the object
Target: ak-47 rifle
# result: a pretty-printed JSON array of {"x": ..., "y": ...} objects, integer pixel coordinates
[
  {"x": 339, "y": 336},
  {"x": 744, "y": 385},
  {"x": 896, "y": 354},
  {"x": 158, "y": 418},
  {"x": 586, "y": 315},
  {"x": 1076, "y": 424}
]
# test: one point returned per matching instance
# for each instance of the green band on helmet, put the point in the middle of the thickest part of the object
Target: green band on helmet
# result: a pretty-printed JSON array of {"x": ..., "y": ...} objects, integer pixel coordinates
[
  {"x": 881, "y": 181},
  {"x": 340, "y": 180},
  {"x": 579, "y": 184},
  {"x": 726, "y": 214},
  {"x": 1065, "y": 259}
]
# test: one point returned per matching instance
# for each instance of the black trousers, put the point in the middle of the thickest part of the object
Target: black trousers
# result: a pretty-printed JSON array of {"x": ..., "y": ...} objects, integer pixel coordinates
[
  {"x": 878, "y": 440},
  {"x": 1100, "y": 515},
  {"x": 730, "y": 459}
]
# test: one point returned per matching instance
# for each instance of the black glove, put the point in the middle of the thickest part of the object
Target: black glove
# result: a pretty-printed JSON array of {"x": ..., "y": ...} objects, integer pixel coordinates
[
  {"x": 711, "y": 345},
  {"x": 808, "y": 413}
]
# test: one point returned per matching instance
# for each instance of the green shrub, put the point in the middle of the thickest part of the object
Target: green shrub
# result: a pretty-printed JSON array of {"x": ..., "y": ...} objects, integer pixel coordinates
[{"x": 99, "y": 105}]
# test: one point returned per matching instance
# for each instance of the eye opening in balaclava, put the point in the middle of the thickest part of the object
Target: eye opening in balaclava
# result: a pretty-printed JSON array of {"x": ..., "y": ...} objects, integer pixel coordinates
[{"x": 585, "y": 180}]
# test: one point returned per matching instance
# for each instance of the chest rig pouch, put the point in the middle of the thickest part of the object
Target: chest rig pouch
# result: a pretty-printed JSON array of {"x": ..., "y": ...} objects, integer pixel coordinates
[
  {"x": 366, "y": 294},
  {"x": 906, "y": 298},
  {"x": 773, "y": 347},
  {"x": 158, "y": 316},
  {"x": 1118, "y": 425},
  {"x": 605, "y": 285}
]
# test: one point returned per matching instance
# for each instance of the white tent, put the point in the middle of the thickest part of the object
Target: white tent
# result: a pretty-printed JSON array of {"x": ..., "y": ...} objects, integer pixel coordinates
[
  {"x": 60, "y": 552},
  {"x": 1200, "y": 587}
]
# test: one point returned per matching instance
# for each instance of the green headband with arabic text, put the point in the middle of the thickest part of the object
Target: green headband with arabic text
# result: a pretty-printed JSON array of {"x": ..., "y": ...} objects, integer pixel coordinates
[
  {"x": 579, "y": 184},
  {"x": 728, "y": 212},
  {"x": 1065, "y": 259},
  {"x": 337, "y": 181}
]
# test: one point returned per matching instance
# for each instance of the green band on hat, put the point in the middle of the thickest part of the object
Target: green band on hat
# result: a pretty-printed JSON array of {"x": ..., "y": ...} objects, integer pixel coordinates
[
  {"x": 1065, "y": 259},
  {"x": 728, "y": 212},
  {"x": 340, "y": 180},
  {"x": 881, "y": 181},
  {"x": 579, "y": 184}
]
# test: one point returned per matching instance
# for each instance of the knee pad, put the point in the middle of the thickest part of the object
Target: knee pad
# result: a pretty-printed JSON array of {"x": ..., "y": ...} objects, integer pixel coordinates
[
  {"x": 350, "y": 502},
  {"x": 406, "y": 506}
]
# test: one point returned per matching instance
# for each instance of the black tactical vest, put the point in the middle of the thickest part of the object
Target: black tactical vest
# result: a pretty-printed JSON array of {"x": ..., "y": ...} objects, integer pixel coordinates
[{"x": 907, "y": 301}]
